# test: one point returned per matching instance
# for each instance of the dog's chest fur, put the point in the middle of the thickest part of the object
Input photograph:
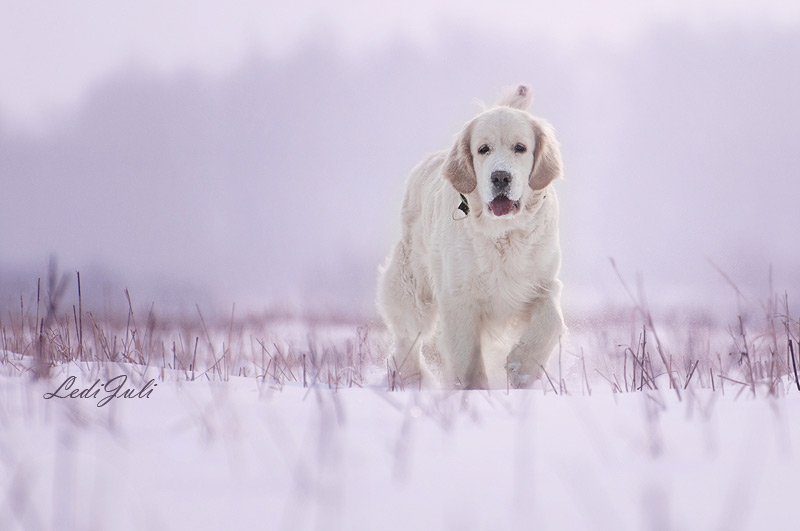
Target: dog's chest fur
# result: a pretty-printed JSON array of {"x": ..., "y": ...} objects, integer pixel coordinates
[{"x": 505, "y": 266}]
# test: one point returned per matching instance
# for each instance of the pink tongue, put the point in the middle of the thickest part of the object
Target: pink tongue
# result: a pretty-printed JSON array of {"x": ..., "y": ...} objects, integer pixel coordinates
[{"x": 501, "y": 205}]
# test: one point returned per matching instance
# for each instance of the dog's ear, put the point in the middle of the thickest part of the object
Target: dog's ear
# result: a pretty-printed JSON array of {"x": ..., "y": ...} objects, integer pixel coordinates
[
  {"x": 458, "y": 166},
  {"x": 546, "y": 156}
]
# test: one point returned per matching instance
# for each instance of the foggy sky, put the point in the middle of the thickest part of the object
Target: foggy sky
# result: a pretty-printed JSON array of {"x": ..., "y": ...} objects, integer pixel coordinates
[{"x": 282, "y": 178}]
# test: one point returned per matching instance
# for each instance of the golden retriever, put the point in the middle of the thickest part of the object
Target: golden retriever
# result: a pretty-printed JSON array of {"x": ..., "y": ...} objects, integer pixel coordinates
[{"x": 473, "y": 279}]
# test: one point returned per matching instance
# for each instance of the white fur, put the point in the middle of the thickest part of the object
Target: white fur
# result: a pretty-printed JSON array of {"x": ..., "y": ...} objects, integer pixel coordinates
[{"x": 480, "y": 291}]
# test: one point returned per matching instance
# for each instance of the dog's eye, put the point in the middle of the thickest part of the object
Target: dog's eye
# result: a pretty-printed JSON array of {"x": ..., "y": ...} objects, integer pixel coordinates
[
  {"x": 520, "y": 148},
  {"x": 484, "y": 149}
]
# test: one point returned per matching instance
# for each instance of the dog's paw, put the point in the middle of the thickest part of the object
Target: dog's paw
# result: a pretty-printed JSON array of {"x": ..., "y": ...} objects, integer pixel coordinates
[{"x": 521, "y": 376}]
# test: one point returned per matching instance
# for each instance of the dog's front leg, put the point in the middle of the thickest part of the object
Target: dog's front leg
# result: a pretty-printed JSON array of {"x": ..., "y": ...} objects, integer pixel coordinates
[
  {"x": 529, "y": 356},
  {"x": 460, "y": 345}
]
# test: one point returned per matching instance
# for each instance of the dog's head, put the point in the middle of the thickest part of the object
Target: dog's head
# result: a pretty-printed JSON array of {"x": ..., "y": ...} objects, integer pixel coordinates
[{"x": 505, "y": 153}]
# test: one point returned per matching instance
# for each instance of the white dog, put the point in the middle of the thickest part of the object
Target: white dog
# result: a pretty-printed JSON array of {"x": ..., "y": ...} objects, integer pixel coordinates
[{"x": 478, "y": 260}]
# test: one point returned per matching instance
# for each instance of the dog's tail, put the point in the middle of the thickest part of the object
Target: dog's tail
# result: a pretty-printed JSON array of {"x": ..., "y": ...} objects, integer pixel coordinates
[{"x": 516, "y": 97}]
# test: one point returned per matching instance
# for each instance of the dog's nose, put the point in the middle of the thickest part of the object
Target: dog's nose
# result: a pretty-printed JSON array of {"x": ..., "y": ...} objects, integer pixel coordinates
[{"x": 501, "y": 179}]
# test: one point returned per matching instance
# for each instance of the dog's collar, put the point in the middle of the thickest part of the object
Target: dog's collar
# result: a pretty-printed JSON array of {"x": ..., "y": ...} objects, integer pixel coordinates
[{"x": 464, "y": 206}]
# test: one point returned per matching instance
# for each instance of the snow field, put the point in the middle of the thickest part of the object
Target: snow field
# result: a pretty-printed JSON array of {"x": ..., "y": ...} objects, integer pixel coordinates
[
  {"x": 291, "y": 425},
  {"x": 246, "y": 454}
]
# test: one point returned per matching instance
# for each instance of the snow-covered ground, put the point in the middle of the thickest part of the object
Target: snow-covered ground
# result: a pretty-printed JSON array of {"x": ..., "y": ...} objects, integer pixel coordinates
[{"x": 262, "y": 451}]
